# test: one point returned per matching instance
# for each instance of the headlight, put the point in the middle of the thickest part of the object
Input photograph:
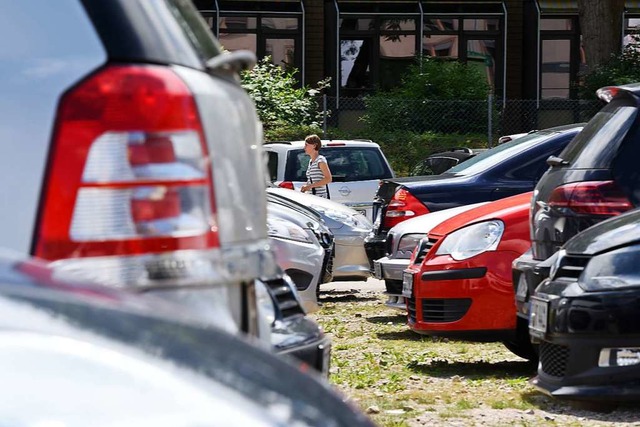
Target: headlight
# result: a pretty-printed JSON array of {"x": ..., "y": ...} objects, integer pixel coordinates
[
  {"x": 612, "y": 270},
  {"x": 408, "y": 243},
  {"x": 284, "y": 229},
  {"x": 357, "y": 221},
  {"x": 472, "y": 240}
]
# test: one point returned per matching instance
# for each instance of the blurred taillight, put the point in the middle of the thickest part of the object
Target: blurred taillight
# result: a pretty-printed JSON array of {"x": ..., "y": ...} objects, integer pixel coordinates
[
  {"x": 602, "y": 198},
  {"x": 286, "y": 184},
  {"x": 403, "y": 206},
  {"x": 128, "y": 173}
]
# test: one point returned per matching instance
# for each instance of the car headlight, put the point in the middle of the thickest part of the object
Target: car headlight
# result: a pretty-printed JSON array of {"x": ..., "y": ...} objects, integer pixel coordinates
[
  {"x": 408, "y": 242},
  {"x": 472, "y": 240},
  {"x": 612, "y": 270},
  {"x": 356, "y": 220},
  {"x": 284, "y": 229}
]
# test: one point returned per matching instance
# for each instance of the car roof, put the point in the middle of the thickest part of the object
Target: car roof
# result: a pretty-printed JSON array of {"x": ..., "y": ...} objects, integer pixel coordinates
[{"x": 329, "y": 143}]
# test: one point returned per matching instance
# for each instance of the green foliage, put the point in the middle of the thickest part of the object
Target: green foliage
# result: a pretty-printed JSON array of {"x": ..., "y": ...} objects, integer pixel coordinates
[
  {"x": 621, "y": 69},
  {"x": 435, "y": 95},
  {"x": 279, "y": 100}
]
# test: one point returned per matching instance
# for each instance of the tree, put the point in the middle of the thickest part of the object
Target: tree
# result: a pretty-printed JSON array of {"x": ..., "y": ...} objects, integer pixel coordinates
[
  {"x": 601, "y": 26},
  {"x": 279, "y": 99}
]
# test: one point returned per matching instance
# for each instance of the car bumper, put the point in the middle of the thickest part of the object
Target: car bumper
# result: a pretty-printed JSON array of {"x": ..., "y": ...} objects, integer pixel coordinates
[
  {"x": 350, "y": 261},
  {"x": 526, "y": 276},
  {"x": 302, "y": 338},
  {"x": 303, "y": 262},
  {"x": 375, "y": 247},
  {"x": 390, "y": 270},
  {"x": 574, "y": 360},
  {"x": 470, "y": 299}
]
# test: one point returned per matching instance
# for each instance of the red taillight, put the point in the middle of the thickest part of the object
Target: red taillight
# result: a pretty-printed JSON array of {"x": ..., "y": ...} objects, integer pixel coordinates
[
  {"x": 403, "y": 206},
  {"x": 128, "y": 171},
  {"x": 286, "y": 184},
  {"x": 591, "y": 198}
]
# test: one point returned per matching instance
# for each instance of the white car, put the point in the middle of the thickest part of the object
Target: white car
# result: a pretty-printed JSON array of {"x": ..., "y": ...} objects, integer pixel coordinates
[
  {"x": 356, "y": 166},
  {"x": 349, "y": 229},
  {"x": 401, "y": 241}
]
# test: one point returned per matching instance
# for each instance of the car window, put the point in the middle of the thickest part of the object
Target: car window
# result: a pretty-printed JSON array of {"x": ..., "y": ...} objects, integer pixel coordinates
[
  {"x": 434, "y": 166},
  {"x": 496, "y": 155},
  {"x": 610, "y": 124},
  {"x": 194, "y": 28},
  {"x": 272, "y": 165},
  {"x": 346, "y": 164}
]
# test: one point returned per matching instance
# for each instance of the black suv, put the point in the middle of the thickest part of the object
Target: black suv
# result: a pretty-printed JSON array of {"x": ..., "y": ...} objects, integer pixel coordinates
[{"x": 594, "y": 178}]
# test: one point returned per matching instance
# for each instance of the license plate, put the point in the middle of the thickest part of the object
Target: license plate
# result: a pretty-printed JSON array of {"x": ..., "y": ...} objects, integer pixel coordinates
[
  {"x": 538, "y": 315},
  {"x": 522, "y": 287},
  {"x": 407, "y": 284},
  {"x": 377, "y": 270}
]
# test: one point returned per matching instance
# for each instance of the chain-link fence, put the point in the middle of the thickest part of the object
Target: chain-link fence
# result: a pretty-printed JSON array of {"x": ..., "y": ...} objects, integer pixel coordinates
[{"x": 492, "y": 117}]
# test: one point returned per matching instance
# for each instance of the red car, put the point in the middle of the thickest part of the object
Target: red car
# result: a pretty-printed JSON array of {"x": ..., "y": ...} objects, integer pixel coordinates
[{"x": 458, "y": 283}]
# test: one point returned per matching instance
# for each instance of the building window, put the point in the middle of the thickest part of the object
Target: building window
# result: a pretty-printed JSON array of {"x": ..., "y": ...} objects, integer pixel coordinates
[{"x": 561, "y": 57}]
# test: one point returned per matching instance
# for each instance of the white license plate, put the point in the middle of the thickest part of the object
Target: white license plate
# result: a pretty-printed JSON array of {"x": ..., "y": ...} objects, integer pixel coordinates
[
  {"x": 377, "y": 270},
  {"x": 538, "y": 315},
  {"x": 407, "y": 284},
  {"x": 522, "y": 287}
]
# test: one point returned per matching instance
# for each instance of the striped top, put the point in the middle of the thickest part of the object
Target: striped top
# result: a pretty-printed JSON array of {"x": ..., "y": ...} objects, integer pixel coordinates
[{"x": 314, "y": 174}]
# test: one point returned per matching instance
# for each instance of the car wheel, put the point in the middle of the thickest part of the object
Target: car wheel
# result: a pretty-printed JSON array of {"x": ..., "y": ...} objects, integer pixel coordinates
[{"x": 521, "y": 345}]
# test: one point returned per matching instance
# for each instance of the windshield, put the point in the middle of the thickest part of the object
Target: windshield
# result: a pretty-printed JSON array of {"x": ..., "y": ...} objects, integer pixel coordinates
[{"x": 497, "y": 155}]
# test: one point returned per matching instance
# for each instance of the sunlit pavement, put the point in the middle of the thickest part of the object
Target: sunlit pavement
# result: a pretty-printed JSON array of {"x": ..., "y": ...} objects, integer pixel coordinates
[{"x": 370, "y": 285}]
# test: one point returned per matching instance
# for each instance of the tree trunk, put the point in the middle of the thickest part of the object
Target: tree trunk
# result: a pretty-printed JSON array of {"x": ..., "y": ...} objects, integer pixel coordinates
[{"x": 601, "y": 26}]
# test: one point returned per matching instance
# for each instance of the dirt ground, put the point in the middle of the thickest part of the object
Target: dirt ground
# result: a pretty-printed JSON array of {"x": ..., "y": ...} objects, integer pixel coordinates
[{"x": 400, "y": 378}]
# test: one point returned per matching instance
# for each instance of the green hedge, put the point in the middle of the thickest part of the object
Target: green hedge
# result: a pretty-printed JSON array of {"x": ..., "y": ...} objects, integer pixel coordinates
[{"x": 403, "y": 149}]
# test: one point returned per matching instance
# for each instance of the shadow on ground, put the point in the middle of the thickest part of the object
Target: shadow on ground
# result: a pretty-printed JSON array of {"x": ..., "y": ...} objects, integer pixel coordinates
[
  {"x": 475, "y": 370},
  {"x": 333, "y": 296},
  {"x": 399, "y": 319}
]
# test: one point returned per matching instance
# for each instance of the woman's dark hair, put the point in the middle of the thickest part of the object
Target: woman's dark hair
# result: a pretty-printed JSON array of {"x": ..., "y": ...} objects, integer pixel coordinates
[{"x": 314, "y": 140}]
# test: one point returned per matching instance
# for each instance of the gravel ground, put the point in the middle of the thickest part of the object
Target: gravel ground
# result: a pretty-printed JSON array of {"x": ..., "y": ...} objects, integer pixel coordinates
[{"x": 403, "y": 379}]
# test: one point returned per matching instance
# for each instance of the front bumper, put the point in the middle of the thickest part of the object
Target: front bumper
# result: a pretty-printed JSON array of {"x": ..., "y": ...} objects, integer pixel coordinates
[
  {"x": 572, "y": 362},
  {"x": 526, "y": 276},
  {"x": 302, "y": 338},
  {"x": 375, "y": 246},
  {"x": 471, "y": 299}
]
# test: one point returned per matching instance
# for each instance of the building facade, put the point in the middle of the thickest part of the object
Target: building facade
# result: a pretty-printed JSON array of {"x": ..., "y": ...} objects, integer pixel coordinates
[{"x": 527, "y": 49}]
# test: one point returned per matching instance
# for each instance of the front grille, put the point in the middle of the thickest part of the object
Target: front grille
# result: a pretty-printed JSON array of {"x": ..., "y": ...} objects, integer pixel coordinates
[
  {"x": 444, "y": 310},
  {"x": 424, "y": 247},
  {"x": 571, "y": 267},
  {"x": 553, "y": 359},
  {"x": 411, "y": 309},
  {"x": 284, "y": 297}
]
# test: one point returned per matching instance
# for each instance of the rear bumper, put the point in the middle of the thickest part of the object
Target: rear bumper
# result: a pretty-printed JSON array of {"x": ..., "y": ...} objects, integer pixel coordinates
[
  {"x": 526, "y": 277},
  {"x": 302, "y": 338},
  {"x": 350, "y": 261},
  {"x": 375, "y": 247}
]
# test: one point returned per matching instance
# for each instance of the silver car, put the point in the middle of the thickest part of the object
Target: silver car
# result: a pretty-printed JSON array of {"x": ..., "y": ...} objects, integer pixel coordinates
[
  {"x": 298, "y": 251},
  {"x": 401, "y": 241},
  {"x": 349, "y": 229}
]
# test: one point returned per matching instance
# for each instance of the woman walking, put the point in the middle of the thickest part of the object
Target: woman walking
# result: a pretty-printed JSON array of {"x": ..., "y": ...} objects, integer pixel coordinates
[{"x": 318, "y": 173}]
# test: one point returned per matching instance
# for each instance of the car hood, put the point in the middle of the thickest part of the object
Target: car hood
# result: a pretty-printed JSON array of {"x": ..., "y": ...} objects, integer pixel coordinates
[
  {"x": 618, "y": 231},
  {"x": 497, "y": 209},
  {"x": 425, "y": 223}
]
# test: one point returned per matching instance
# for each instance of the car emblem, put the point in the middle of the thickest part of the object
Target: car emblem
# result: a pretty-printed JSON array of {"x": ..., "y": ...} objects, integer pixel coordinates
[{"x": 344, "y": 191}]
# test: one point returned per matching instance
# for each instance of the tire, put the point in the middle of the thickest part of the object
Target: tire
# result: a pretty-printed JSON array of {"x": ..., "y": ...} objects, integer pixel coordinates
[{"x": 522, "y": 345}]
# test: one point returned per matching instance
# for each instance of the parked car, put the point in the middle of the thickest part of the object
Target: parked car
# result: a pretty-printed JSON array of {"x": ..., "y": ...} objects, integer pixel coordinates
[
  {"x": 78, "y": 354},
  {"x": 401, "y": 242},
  {"x": 118, "y": 145},
  {"x": 593, "y": 179},
  {"x": 459, "y": 282},
  {"x": 586, "y": 316},
  {"x": 349, "y": 228},
  {"x": 357, "y": 166},
  {"x": 505, "y": 170},
  {"x": 440, "y": 162},
  {"x": 299, "y": 252}
]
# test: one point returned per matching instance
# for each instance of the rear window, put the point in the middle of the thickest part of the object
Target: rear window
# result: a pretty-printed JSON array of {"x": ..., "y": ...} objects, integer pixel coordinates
[
  {"x": 434, "y": 166},
  {"x": 195, "y": 28},
  {"x": 346, "y": 164},
  {"x": 499, "y": 154},
  {"x": 600, "y": 139}
]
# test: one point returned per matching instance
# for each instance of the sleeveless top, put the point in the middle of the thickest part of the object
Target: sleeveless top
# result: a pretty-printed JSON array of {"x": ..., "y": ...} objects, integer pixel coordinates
[{"x": 314, "y": 174}]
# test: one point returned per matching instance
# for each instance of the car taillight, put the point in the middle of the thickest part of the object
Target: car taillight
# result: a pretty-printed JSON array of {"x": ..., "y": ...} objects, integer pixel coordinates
[
  {"x": 286, "y": 184},
  {"x": 128, "y": 175},
  {"x": 403, "y": 206},
  {"x": 590, "y": 198}
]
